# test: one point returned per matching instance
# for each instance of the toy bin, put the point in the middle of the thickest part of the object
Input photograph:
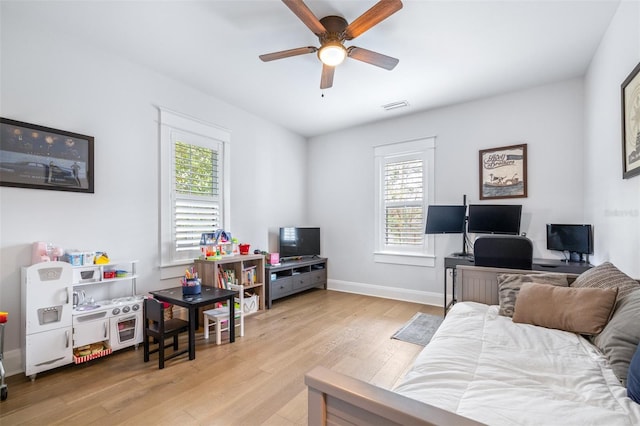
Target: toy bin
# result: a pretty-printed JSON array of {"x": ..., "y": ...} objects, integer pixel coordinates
[{"x": 250, "y": 304}]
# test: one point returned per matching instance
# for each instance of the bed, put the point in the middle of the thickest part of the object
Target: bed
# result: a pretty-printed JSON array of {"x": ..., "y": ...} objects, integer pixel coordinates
[{"x": 482, "y": 367}]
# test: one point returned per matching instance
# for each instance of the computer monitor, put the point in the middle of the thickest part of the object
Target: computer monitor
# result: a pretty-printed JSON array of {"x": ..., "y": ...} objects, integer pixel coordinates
[
  {"x": 576, "y": 239},
  {"x": 445, "y": 219},
  {"x": 494, "y": 219}
]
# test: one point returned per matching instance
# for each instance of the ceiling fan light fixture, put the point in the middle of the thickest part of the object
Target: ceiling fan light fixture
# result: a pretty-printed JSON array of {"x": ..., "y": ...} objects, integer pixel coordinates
[{"x": 332, "y": 53}]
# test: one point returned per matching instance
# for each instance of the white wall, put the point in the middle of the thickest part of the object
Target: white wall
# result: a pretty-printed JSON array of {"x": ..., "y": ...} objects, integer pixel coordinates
[
  {"x": 57, "y": 82},
  {"x": 612, "y": 204},
  {"x": 341, "y": 179}
]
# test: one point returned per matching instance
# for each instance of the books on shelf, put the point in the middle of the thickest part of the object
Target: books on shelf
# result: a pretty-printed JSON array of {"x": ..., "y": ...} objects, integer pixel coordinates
[
  {"x": 249, "y": 275},
  {"x": 225, "y": 276}
]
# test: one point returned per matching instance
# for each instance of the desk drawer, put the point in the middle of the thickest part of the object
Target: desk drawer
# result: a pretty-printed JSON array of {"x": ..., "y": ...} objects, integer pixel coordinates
[{"x": 281, "y": 287}]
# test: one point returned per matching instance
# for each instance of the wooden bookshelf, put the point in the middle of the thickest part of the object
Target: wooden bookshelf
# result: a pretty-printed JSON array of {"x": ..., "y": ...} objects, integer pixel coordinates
[{"x": 209, "y": 272}]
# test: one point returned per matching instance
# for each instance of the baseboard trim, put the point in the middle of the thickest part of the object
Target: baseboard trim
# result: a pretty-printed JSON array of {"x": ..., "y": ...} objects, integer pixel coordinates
[{"x": 395, "y": 293}]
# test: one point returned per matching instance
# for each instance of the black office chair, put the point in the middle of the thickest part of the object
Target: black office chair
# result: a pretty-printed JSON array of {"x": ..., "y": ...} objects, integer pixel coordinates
[
  {"x": 156, "y": 327},
  {"x": 503, "y": 251}
]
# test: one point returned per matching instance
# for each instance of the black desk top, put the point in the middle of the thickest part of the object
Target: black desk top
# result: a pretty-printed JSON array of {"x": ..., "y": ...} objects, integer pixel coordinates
[
  {"x": 208, "y": 296},
  {"x": 551, "y": 265}
]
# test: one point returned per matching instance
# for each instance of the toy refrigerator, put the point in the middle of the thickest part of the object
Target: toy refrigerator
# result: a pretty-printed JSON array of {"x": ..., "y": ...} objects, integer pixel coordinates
[{"x": 46, "y": 316}]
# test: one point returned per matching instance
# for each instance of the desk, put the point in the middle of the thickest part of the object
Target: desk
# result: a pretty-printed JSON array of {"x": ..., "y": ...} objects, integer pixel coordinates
[
  {"x": 209, "y": 296},
  {"x": 546, "y": 265}
]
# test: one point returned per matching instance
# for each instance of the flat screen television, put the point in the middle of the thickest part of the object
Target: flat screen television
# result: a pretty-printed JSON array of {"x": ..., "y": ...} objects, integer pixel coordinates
[
  {"x": 494, "y": 219},
  {"x": 445, "y": 219},
  {"x": 576, "y": 239},
  {"x": 298, "y": 242}
]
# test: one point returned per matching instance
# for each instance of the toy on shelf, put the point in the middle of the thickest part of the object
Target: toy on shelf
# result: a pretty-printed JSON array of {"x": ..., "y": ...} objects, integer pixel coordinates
[
  {"x": 45, "y": 252},
  {"x": 101, "y": 259},
  {"x": 215, "y": 245}
]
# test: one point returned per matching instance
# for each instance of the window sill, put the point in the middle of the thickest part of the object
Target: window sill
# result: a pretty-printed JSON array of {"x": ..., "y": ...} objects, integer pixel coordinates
[
  {"x": 174, "y": 270},
  {"x": 405, "y": 259}
]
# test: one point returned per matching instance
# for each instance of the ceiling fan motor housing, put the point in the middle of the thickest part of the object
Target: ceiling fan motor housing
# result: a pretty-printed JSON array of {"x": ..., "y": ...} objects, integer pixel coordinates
[
  {"x": 332, "y": 51},
  {"x": 335, "y": 26}
]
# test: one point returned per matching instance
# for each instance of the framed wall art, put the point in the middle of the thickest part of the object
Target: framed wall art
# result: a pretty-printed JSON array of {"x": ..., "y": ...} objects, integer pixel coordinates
[
  {"x": 503, "y": 172},
  {"x": 33, "y": 156},
  {"x": 631, "y": 124}
]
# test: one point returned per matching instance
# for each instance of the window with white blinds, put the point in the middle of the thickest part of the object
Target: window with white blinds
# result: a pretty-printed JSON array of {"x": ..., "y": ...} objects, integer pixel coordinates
[
  {"x": 196, "y": 179},
  {"x": 194, "y": 182},
  {"x": 404, "y": 202},
  {"x": 404, "y": 188}
]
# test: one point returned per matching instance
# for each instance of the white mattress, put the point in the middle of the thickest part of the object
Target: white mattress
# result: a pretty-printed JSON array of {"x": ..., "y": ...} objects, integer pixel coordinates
[{"x": 485, "y": 367}]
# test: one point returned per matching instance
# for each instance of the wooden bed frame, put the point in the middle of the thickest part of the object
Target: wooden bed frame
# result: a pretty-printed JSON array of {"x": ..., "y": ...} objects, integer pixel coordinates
[{"x": 336, "y": 399}]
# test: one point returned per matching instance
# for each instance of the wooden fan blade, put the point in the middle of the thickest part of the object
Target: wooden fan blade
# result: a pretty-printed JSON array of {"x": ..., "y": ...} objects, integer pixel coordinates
[
  {"x": 373, "y": 58},
  {"x": 306, "y": 16},
  {"x": 326, "y": 80},
  {"x": 287, "y": 53},
  {"x": 378, "y": 13}
]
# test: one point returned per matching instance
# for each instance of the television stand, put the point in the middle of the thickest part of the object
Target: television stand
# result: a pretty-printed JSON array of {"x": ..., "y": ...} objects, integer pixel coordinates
[{"x": 294, "y": 276}]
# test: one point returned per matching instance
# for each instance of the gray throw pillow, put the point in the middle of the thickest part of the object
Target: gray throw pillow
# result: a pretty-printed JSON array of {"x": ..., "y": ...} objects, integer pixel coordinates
[
  {"x": 607, "y": 276},
  {"x": 509, "y": 286},
  {"x": 621, "y": 336}
]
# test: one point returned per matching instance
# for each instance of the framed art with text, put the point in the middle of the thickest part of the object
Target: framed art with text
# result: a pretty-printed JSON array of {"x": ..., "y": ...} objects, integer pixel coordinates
[
  {"x": 631, "y": 124},
  {"x": 503, "y": 172},
  {"x": 33, "y": 156}
]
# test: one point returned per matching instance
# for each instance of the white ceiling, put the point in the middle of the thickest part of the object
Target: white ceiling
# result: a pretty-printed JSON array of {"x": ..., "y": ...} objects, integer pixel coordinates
[{"x": 450, "y": 51}]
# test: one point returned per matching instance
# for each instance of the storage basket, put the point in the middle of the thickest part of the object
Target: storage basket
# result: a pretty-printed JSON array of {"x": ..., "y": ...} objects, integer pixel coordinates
[
  {"x": 251, "y": 304},
  {"x": 78, "y": 359}
]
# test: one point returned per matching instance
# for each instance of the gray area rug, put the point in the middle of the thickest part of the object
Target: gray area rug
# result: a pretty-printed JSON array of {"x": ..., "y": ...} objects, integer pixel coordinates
[{"x": 419, "y": 329}]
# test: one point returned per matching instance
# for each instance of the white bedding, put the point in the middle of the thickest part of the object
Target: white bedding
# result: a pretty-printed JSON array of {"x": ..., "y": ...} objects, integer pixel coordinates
[{"x": 485, "y": 367}]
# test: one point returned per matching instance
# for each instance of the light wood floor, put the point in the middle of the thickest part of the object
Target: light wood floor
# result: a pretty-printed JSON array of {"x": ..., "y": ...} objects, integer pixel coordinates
[{"x": 256, "y": 380}]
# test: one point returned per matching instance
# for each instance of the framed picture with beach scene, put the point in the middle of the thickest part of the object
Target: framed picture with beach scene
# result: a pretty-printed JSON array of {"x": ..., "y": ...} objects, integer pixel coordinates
[
  {"x": 33, "y": 156},
  {"x": 503, "y": 172}
]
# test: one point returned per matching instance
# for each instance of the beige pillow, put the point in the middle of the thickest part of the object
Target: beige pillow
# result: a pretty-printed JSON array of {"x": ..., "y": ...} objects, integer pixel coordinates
[
  {"x": 578, "y": 310},
  {"x": 606, "y": 275},
  {"x": 509, "y": 287}
]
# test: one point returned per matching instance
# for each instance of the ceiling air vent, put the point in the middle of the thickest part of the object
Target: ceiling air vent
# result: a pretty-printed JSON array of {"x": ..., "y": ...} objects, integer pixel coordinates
[{"x": 395, "y": 105}]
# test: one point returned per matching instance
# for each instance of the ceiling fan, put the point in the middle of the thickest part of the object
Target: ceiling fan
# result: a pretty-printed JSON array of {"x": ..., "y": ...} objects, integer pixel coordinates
[{"x": 332, "y": 31}]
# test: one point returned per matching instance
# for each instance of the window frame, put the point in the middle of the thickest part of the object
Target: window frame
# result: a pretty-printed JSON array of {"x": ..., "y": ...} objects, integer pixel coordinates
[
  {"x": 195, "y": 132},
  {"x": 423, "y": 148}
]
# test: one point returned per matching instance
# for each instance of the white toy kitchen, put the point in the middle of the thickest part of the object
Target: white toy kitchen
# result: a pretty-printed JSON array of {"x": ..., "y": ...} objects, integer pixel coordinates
[{"x": 76, "y": 313}]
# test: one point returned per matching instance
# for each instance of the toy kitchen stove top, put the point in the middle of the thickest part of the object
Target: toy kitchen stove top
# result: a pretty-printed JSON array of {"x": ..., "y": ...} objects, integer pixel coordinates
[{"x": 122, "y": 305}]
